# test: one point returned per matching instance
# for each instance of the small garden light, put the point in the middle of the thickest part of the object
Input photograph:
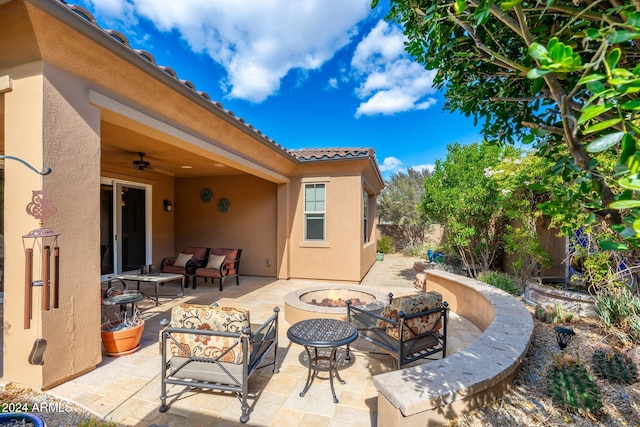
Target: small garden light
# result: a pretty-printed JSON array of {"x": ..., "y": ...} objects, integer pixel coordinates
[{"x": 563, "y": 336}]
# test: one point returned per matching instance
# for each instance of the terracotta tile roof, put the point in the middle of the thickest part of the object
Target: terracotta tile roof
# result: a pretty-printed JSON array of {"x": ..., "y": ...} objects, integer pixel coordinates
[
  {"x": 323, "y": 154},
  {"x": 311, "y": 154},
  {"x": 122, "y": 39}
]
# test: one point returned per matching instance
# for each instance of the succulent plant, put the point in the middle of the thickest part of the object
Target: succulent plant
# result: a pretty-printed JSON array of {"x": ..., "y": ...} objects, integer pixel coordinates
[
  {"x": 614, "y": 366},
  {"x": 552, "y": 315},
  {"x": 570, "y": 383}
]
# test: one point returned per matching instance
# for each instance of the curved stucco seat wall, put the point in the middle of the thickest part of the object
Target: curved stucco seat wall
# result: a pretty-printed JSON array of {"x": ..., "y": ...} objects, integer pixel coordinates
[{"x": 433, "y": 393}]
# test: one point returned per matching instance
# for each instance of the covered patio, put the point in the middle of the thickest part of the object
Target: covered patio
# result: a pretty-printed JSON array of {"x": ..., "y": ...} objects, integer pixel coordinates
[{"x": 126, "y": 389}]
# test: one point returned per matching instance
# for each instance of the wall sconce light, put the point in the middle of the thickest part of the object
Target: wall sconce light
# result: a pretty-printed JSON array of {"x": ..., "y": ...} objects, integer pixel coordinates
[{"x": 168, "y": 206}]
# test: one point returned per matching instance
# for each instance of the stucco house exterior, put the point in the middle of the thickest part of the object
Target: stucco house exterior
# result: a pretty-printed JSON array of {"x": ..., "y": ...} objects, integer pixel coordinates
[{"x": 81, "y": 100}]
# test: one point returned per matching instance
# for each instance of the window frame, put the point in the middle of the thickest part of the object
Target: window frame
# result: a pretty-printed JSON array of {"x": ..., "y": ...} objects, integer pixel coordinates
[{"x": 316, "y": 213}]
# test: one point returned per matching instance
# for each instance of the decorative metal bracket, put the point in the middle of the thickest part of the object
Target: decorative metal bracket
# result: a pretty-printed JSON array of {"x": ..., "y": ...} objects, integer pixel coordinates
[{"x": 46, "y": 170}]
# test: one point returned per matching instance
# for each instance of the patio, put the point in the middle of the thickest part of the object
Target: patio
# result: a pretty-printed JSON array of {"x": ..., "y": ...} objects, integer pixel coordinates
[{"x": 126, "y": 389}]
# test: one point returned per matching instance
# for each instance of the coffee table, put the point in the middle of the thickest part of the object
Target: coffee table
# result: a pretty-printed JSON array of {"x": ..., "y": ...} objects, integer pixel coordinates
[
  {"x": 322, "y": 333},
  {"x": 156, "y": 278}
]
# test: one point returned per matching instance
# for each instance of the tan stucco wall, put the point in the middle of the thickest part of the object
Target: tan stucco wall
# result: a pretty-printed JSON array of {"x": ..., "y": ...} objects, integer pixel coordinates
[
  {"x": 250, "y": 223},
  {"x": 342, "y": 248},
  {"x": 48, "y": 121}
]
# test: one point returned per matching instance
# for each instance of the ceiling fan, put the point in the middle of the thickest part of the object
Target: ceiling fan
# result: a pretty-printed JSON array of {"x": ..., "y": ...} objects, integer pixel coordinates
[{"x": 142, "y": 165}]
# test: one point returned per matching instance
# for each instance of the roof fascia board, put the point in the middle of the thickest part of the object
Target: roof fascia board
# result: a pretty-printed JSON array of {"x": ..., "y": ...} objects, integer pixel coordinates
[{"x": 248, "y": 166}]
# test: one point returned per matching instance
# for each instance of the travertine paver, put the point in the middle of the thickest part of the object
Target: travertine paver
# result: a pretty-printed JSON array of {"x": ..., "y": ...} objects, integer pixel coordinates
[{"x": 127, "y": 389}]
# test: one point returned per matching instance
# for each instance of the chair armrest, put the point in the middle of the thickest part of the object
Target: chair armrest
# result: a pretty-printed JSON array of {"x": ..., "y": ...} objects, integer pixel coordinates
[
  {"x": 268, "y": 322},
  {"x": 193, "y": 264},
  {"x": 167, "y": 261},
  {"x": 357, "y": 312},
  {"x": 268, "y": 334}
]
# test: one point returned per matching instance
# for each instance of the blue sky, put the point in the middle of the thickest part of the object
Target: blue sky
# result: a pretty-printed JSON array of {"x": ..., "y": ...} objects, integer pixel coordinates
[{"x": 308, "y": 74}]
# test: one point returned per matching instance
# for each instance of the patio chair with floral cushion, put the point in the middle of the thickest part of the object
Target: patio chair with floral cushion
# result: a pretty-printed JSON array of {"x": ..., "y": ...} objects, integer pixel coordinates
[
  {"x": 409, "y": 328},
  {"x": 186, "y": 263},
  {"x": 215, "y": 348}
]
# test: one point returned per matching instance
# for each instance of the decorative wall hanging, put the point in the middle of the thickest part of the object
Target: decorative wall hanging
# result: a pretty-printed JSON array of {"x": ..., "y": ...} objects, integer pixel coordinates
[
  {"x": 206, "y": 194},
  {"x": 224, "y": 204},
  {"x": 38, "y": 272}
]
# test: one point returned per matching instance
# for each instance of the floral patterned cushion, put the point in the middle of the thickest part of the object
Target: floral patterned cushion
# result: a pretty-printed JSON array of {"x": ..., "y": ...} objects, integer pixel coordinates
[
  {"x": 412, "y": 304},
  {"x": 205, "y": 317}
]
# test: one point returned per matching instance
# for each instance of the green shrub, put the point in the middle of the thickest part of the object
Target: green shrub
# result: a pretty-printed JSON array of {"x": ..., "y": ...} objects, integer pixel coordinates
[
  {"x": 501, "y": 281},
  {"x": 385, "y": 244},
  {"x": 569, "y": 383},
  {"x": 416, "y": 250}
]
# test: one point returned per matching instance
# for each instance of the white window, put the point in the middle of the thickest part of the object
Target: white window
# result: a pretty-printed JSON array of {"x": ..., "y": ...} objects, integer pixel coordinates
[{"x": 314, "y": 212}]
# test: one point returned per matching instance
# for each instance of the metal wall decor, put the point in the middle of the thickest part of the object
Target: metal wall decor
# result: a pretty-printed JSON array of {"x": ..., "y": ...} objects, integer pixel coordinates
[
  {"x": 224, "y": 204},
  {"x": 206, "y": 194},
  {"x": 45, "y": 240}
]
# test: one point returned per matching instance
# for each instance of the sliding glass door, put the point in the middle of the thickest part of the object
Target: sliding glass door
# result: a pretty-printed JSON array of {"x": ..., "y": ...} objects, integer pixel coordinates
[{"x": 125, "y": 221}]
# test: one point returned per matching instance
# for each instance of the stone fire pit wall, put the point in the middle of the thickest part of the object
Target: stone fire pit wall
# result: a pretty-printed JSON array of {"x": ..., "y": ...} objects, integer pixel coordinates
[{"x": 435, "y": 392}]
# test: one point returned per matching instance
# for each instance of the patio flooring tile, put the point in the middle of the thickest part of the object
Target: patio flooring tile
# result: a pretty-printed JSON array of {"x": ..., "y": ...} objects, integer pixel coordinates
[{"x": 127, "y": 389}]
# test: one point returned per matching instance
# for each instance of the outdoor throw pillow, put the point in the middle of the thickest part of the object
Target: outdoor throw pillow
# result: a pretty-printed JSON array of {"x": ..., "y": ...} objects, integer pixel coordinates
[
  {"x": 182, "y": 260},
  {"x": 215, "y": 261},
  {"x": 204, "y": 317},
  {"x": 412, "y": 304}
]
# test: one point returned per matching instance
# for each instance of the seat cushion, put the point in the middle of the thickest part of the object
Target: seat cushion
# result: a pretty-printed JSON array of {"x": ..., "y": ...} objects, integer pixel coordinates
[
  {"x": 412, "y": 304},
  {"x": 204, "y": 317},
  {"x": 182, "y": 260},
  {"x": 171, "y": 269}
]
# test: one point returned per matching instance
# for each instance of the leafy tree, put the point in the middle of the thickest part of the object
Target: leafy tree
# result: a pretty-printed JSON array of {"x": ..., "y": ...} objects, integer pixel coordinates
[
  {"x": 460, "y": 196},
  {"x": 562, "y": 73},
  {"x": 399, "y": 202},
  {"x": 518, "y": 181}
]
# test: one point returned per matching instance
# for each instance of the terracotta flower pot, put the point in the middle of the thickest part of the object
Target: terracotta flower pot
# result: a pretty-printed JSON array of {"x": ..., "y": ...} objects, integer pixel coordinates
[{"x": 125, "y": 341}]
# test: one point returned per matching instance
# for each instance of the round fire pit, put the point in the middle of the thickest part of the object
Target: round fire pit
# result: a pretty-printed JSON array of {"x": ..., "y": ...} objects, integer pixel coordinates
[{"x": 321, "y": 301}]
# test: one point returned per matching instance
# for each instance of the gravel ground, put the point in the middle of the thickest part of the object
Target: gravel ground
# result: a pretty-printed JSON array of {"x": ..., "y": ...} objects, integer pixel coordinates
[
  {"x": 55, "y": 412},
  {"x": 526, "y": 404}
]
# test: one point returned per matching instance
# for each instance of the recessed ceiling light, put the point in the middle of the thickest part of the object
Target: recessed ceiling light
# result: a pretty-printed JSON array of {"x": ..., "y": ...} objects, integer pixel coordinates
[{"x": 186, "y": 167}]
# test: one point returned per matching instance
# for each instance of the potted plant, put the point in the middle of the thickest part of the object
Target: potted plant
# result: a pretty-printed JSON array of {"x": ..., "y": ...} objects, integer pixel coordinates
[
  {"x": 123, "y": 337},
  {"x": 385, "y": 246}
]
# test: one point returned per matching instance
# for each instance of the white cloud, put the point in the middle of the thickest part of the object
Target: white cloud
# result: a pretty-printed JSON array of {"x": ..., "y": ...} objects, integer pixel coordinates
[
  {"x": 390, "y": 164},
  {"x": 332, "y": 83},
  {"x": 257, "y": 41},
  {"x": 390, "y": 82},
  {"x": 419, "y": 168}
]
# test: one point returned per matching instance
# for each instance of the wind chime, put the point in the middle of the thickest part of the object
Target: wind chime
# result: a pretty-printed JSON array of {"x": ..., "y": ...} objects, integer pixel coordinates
[
  {"x": 40, "y": 245},
  {"x": 45, "y": 242}
]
